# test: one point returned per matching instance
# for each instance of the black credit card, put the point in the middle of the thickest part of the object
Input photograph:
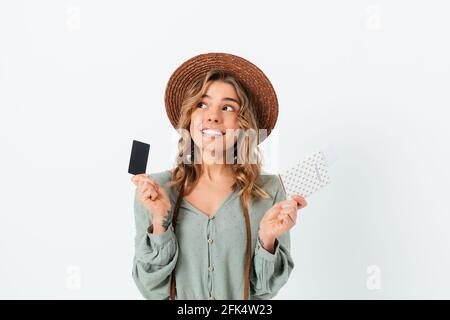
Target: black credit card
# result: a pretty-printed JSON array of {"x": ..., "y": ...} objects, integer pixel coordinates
[{"x": 139, "y": 157}]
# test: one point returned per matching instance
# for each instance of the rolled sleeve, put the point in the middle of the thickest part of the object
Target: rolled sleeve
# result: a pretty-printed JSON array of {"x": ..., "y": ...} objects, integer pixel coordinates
[
  {"x": 262, "y": 253},
  {"x": 163, "y": 238}
]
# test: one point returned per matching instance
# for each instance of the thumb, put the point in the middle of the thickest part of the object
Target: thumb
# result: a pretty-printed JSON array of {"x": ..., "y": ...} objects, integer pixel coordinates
[{"x": 301, "y": 202}]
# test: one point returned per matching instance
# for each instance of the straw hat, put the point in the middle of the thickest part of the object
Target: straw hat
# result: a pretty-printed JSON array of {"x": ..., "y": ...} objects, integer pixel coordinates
[{"x": 249, "y": 75}]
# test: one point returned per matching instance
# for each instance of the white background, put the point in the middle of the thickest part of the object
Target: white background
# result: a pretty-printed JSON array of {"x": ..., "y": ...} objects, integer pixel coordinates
[{"x": 79, "y": 80}]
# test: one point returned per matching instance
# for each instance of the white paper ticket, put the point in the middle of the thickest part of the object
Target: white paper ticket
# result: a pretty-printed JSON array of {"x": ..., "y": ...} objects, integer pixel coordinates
[{"x": 307, "y": 176}]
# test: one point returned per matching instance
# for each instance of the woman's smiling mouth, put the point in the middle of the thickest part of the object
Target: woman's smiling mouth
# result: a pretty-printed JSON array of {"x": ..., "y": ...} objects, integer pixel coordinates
[{"x": 211, "y": 133}]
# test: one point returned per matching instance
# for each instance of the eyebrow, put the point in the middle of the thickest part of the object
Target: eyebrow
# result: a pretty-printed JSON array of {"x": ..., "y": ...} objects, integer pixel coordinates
[{"x": 224, "y": 99}]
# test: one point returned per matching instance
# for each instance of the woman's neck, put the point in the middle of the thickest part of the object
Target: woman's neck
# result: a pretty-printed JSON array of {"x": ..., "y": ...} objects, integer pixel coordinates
[{"x": 216, "y": 172}]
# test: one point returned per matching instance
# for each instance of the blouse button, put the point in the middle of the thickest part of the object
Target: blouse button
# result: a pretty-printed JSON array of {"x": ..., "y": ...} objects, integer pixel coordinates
[
  {"x": 210, "y": 269},
  {"x": 210, "y": 240}
]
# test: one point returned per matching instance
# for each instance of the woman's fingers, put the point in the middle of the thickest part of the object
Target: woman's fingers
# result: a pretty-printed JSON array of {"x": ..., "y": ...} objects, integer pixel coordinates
[
  {"x": 283, "y": 208},
  {"x": 136, "y": 178},
  {"x": 289, "y": 206},
  {"x": 273, "y": 212},
  {"x": 288, "y": 213},
  {"x": 301, "y": 202},
  {"x": 141, "y": 177},
  {"x": 287, "y": 210},
  {"x": 148, "y": 190},
  {"x": 288, "y": 203},
  {"x": 144, "y": 181},
  {"x": 289, "y": 217},
  {"x": 151, "y": 194}
]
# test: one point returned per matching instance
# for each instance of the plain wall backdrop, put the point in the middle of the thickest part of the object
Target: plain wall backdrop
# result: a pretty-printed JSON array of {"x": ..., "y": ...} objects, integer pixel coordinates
[{"x": 79, "y": 80}]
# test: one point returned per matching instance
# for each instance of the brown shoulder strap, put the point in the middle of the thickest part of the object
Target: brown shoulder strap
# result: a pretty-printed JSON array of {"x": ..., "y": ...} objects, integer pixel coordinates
[
  {"x": 174, "y": 219},
  {"x": 248, "y": 251}
]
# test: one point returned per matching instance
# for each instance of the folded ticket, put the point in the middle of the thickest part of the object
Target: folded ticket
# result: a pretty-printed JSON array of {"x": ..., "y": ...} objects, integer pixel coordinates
[{"x": 308, "y": 175}]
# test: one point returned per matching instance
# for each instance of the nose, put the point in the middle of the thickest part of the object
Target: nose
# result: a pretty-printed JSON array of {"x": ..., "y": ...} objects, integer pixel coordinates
[{"x": 213, "y": 116}]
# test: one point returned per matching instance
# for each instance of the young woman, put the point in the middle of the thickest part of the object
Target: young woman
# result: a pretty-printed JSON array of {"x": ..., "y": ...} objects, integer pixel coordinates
[{"x": 211, "y": 228}]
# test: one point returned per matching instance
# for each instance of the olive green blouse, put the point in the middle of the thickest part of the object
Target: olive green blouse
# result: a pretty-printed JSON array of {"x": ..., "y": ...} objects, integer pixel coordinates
[{"x": 208, "y": 254}]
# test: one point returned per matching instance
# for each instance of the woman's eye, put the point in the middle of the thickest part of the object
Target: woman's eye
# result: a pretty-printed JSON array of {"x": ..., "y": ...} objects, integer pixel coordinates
[
  {"x": 201, "y": 104},
  {"x": 230, "y": 108}
]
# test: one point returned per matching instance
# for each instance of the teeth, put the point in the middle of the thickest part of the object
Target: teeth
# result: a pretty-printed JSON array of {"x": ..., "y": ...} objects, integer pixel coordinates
[{"x": 210, "y": 132}]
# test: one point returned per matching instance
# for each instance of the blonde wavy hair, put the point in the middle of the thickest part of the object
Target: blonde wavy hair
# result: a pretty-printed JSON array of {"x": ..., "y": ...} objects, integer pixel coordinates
[{"x": 186, "y": 175}]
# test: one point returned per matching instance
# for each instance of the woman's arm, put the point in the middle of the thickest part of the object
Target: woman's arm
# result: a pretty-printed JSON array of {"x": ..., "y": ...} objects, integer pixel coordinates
[
  {"x": 155, "y": 255},
  {"x": 270, "y": 271}
]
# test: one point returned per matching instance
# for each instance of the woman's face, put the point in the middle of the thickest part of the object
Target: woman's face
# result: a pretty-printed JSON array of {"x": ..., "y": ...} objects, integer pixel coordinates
[{"x": 215, "y": 119}]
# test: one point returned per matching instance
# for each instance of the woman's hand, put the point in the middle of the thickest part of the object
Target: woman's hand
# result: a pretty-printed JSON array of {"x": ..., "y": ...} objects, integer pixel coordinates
[
  {"x": 153, "y": 197},
  {"x": 279, "y": 219}
]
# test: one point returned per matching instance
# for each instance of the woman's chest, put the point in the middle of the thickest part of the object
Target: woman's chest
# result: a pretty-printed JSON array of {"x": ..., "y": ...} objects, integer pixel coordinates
[
  {"x": 226, "y": 231},
  {"x": 208, "y": 199}
]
